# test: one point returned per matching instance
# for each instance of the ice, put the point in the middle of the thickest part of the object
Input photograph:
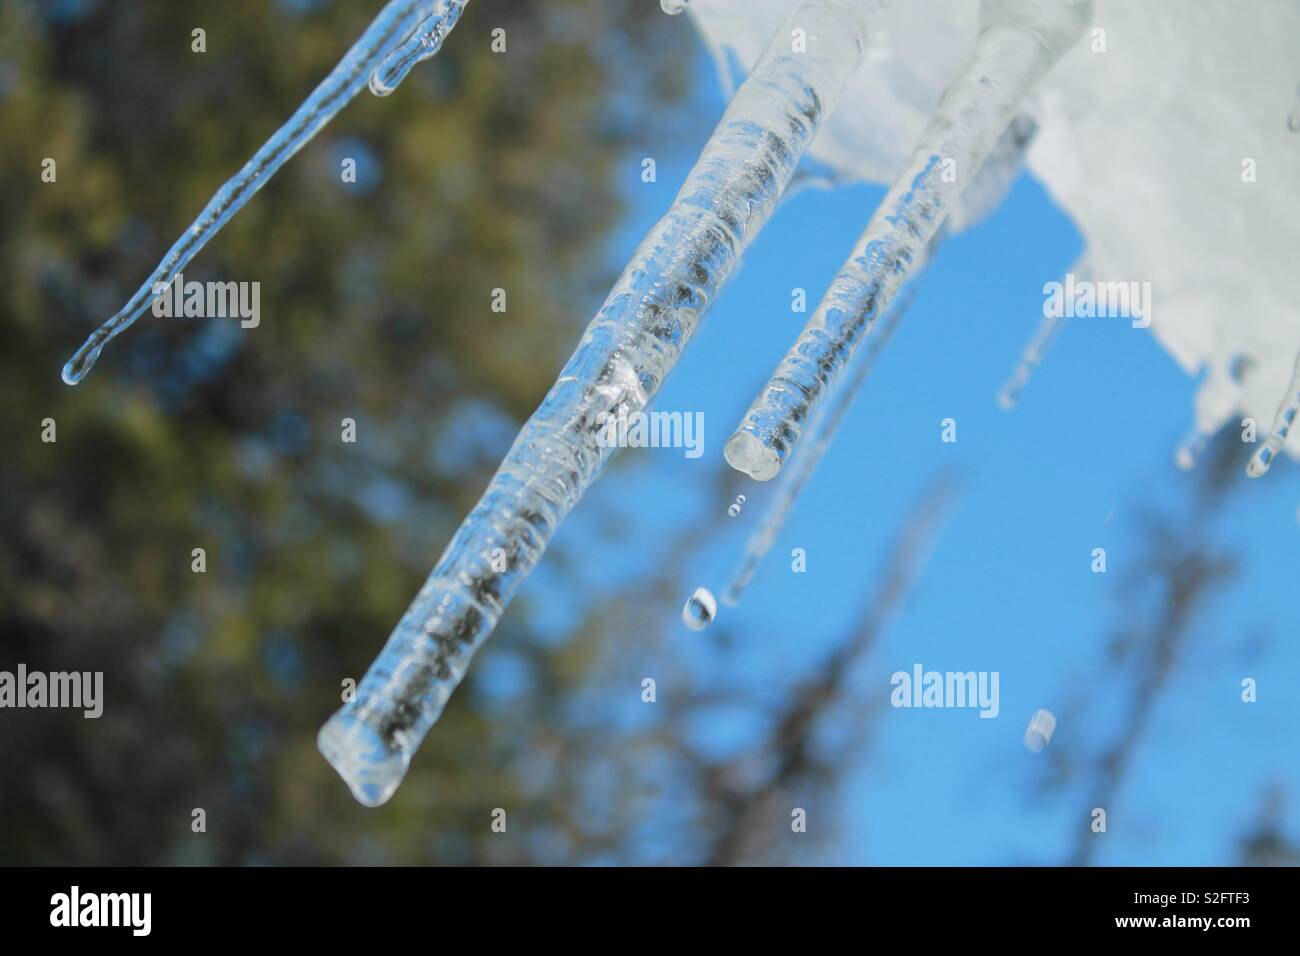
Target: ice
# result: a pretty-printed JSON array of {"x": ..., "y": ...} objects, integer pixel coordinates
[
  {"x": 374, "y": 49},
  {"x": 1262, "y": 460},
  {"x": 1039, "y": 732},
  {"x": 699, "y": 610},
  {"x": 1141, "y": 145}
]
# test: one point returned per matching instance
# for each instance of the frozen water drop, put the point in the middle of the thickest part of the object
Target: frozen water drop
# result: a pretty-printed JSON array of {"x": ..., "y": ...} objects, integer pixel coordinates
[
  {"x": 747, "y": 454},
  {"x": 672, "y": 7},
  {"x": 345, "y": 81},
  {"x": 1039, "y": 732},
  {"x": 699, "y": 611}
]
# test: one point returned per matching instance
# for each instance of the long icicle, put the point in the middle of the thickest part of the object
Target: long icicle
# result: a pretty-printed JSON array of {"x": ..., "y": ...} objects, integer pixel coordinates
[
  {"x": 631, "y": 344},
  {"x": 1262, "y": 460},
  {"x": 380, "y": 47},
  {"x": 1019, "y": 40},
  {"x": 985, "y": 194}
]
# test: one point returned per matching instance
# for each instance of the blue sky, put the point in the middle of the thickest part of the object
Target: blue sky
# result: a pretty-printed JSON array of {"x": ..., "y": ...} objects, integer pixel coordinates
[{"x": 1009, "y": 586}]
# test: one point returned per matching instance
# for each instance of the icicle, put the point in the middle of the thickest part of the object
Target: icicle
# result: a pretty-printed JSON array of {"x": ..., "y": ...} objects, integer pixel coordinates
[
  {"x": 633, "y": 342},
  {"x": 1189, "y": 450},
  {"x": 1049, "y": 327},
  {"x": 986, "y": 193},
  {"x": 1262, "y": 460},
  {"x": 1018, "y": 41},
  {"x": 345, "y": 81},
  {"x": 1216, "y": 401}
]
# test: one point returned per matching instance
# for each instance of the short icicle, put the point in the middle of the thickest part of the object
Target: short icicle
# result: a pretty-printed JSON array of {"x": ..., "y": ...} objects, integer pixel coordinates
[
  {"x": 1019, "y": 40},
  {"x": 1045, "y": 335},
  {"x": 1262, "y": 460},
  {"x": 632, "y": 343},
  {"x": 382, "y": 41}
]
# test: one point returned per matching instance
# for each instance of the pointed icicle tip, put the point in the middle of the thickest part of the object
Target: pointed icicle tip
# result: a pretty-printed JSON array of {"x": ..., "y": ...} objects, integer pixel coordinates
[{"x": 82, "y": 361}]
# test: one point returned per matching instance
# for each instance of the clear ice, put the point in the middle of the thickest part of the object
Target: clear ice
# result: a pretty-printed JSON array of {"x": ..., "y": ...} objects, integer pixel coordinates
[
  {"x": 632, "y": 343},
  {"x": 1019, "y": 40},
  {"x": 376, "y": 47}
]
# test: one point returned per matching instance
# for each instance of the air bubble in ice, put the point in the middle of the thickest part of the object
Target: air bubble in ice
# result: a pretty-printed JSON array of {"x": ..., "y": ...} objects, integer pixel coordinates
[
  {"x": 734, "y": 510},
  {"x": 699, "y": 611}
]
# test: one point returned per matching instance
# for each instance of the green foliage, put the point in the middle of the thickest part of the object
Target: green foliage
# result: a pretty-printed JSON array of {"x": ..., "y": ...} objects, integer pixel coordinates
[{"x": 488, "y": 171}]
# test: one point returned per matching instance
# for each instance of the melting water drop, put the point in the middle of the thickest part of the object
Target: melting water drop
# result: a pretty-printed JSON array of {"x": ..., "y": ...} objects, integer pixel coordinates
[
  {"x": 699, "y": 611},
  {"x": 1039, "y": 732},
  {"x": 673, "y": 7},
  {"x": 1293, "y": 121},
  {"x": 1189, "y": 450},
  {"x": 735, "y": 506}
]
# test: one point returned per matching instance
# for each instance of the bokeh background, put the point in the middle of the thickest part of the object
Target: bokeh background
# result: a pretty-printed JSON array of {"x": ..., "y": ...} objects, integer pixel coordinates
[{"x": 523, "y": 171}]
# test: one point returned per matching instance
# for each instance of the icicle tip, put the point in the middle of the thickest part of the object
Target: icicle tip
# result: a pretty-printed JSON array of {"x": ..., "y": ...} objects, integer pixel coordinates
[
  {"x": 370, "y": 767},
  {"x": 748, "y": 455},
  {"x": 82, "y": 361}
]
